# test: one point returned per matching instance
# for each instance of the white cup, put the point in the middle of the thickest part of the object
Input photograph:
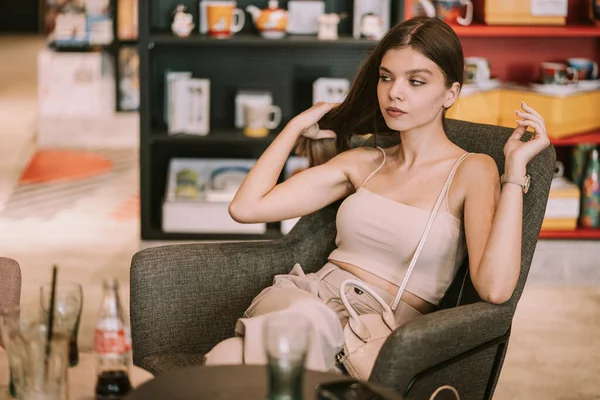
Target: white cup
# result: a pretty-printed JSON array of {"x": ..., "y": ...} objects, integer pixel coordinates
[
  {"x": 559, "y": 171},
  {"x": 477, "y": 69},
  {"x": 259, "y": 118}
]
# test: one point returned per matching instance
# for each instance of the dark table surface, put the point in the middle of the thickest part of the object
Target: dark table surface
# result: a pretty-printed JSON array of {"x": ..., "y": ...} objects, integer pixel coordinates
[{"x": 235, "y": 382}]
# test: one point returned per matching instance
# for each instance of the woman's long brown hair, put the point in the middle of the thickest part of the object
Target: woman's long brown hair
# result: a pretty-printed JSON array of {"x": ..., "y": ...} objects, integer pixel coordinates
[{"x": 359, "y": 113}]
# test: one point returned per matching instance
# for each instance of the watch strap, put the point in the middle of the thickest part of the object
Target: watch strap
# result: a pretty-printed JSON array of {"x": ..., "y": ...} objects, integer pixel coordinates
[{"x": 516, "y": 179}]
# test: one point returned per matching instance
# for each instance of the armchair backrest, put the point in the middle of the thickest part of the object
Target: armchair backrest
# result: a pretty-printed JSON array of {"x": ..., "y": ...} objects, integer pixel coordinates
[
  {"x": 317, "y": 231},
  {"x": 10, "y": 285}
]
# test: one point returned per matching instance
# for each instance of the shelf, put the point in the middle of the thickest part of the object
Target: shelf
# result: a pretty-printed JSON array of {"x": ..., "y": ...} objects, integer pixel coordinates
[
  {"x": 591, "y": 137},
  {"x": 127, "y": 42},
  {"x": 579, "y": 233},
  {"x": 82, "y": 47},
  {"x": 218, "y": 137},
  {"x": 157, "y": 234},
  {"x": 255, "y": 40},
  {"x": 480, "y": 30}
]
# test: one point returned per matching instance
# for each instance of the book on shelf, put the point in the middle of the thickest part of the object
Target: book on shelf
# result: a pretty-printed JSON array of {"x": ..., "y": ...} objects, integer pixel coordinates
[
  {"x": 127, "y": 19},
  {"x": 129, "y": 79},
  {"x": 187, "y": 103}
]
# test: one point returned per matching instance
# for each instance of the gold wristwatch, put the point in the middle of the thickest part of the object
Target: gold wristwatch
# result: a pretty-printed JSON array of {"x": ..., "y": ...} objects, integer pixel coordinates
[{"x": 523, "y": 181}]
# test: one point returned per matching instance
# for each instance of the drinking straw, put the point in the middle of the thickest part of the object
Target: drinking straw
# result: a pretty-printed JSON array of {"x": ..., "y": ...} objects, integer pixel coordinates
[{"x": 51, "y": 314}]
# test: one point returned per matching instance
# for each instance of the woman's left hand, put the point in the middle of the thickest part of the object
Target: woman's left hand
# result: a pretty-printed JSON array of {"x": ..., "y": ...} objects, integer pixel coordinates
[{"x": 522, "y": 152}]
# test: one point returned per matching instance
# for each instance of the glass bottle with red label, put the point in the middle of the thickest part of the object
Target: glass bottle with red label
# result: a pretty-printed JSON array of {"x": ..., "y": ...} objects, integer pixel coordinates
[{"x": 112, "y": 345}]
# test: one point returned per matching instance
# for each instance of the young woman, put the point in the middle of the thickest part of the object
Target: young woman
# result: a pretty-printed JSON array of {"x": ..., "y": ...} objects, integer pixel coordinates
[{"x": 405, "y": 86}]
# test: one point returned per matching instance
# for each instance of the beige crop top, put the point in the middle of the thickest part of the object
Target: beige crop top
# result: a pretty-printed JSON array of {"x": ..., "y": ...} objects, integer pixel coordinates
[{"x": 380, "y": 235}]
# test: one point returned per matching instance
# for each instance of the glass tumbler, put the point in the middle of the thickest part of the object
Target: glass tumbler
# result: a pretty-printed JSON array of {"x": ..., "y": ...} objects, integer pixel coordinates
[
  {"x": 68, "y": 306},
  {"x": 38, "y": 367},
  {"x": 9, "y": 331},
  {"x": 286, "y": 339}
]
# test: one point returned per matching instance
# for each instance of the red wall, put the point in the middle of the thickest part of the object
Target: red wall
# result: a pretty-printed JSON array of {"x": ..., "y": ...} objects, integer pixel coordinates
[{"x": 517, "y": 59}]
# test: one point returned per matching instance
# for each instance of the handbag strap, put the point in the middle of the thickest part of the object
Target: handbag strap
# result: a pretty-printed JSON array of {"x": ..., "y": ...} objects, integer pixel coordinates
[
  {"x": 356, "y": 324},
  {"x": 432, "y": 216},
  {"x": 445, "y": 387}
]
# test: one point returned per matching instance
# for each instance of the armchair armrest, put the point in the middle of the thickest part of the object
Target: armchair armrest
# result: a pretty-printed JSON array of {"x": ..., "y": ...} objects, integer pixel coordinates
[
  {"x": 436, "y": 338},
  {"x": 186, "y": 298}
]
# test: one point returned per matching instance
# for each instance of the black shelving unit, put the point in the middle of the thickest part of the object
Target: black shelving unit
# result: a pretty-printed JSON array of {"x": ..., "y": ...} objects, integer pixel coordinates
[{"x": 286, "y": 67}]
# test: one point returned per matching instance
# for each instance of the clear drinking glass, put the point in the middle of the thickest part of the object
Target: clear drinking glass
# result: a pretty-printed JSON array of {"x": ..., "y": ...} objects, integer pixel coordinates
[
  {"x": 38, "y": 368},
  {"x": 9, "y": 329},
  {"x": 286, "y": 338},
  {"x": 67, "y": 316}
]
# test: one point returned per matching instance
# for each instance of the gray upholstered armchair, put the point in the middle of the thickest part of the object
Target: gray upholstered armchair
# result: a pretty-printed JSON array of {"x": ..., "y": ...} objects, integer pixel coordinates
[{"x": 186, "y": 298}]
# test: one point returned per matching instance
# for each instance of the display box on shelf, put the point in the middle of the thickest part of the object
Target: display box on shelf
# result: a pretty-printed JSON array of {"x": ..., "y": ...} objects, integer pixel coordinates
[
  {"x": 90, "y": 26},
  {"x": 198, "y": 194},
  {"x": 477, "y": 106},
  {"x": 562, "y": 211},
  {"x": 521, "y": 12},
  {"x": 565, "y": 116},
  {"x": 170, "y": 77},
  {"x": 304, "y": 16},
  {"x": 363, "y": 9},
  {"x": 189, "y": 106},
  {"x": 330, "y": 90},
  {"x": 75, "y": 84}
]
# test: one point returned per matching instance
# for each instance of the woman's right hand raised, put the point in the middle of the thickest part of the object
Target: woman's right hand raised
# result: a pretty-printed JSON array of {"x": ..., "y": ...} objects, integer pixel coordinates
[{"x": 307, "y": 121}]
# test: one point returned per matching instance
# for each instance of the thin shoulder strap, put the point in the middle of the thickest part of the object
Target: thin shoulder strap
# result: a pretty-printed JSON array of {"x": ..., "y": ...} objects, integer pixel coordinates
[
  {"x": 432, "y": 216},
  {"x": 378, "y": 168},
  {"x": 451, "y": 177}
]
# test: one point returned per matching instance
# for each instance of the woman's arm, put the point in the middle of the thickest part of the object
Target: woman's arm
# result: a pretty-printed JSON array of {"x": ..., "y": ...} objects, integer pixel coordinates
[
  {"x": 493, "y": 216},
  {"x": 493, "y": 219},
  {"x": 261, "y": 199}
]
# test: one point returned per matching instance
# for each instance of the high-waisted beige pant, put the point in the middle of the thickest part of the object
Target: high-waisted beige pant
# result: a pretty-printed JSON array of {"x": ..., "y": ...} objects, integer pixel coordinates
[{"x": 316, "y": 297}]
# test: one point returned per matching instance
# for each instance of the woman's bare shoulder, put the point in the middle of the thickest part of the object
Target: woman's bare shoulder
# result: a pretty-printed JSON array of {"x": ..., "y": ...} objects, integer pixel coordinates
[
  {"x": 361, "y": 155},
  {"x": 358, "y": 162},
  {"x": 478, "y": 169}
]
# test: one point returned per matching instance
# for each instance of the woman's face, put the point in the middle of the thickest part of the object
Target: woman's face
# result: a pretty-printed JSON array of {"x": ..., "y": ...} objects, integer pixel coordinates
[{"x": 411, "y": 90}]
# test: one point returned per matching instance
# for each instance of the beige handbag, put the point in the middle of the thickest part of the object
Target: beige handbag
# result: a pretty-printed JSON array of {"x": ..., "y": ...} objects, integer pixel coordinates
[{"x": 365, "y": 334}]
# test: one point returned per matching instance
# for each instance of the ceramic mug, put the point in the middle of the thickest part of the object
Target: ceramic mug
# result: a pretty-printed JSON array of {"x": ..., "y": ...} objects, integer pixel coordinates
[
  {"x": 259, "y": 118},
  {"x": 477, "y": 69},
  {"x": 219, "y": 18},
  {"x": 450, "y": 11},
  {"x": 558, "y": 73},
  {"x": 559, "y": 170},
  {"x": 586, "y": 68}
]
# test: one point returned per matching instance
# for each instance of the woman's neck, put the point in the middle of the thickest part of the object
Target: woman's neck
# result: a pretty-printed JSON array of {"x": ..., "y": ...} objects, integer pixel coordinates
[{"x": 422, "y": 145}]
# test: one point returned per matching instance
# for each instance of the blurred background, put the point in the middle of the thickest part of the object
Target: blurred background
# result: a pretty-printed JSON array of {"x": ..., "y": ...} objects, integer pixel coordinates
[{"x": 101, "y": 153}]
